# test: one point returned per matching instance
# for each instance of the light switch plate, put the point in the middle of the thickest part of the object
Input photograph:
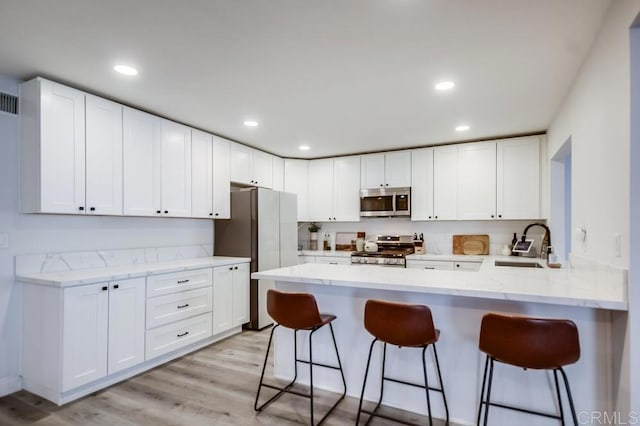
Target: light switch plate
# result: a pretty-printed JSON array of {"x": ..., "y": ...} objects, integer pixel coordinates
[{"x": 4, "y": 240}]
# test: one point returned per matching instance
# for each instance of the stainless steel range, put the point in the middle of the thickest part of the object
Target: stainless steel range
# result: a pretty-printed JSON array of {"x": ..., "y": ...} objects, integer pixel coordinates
[{"x": 392, "y": 250}]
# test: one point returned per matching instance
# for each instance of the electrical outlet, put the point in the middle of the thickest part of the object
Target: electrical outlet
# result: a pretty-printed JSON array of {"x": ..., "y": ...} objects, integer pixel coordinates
[{"x": 4, "y": 240}]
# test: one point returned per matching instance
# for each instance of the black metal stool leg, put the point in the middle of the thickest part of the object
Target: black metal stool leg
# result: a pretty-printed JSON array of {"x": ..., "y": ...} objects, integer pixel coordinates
[
  {"x": 382, "y": 377},
  {"x": 484, "y": 382},
  {"x": 444, "y": 398},
  {"x": 311, "y": 373},
  {"x": 364, "y": 382},
  {"x": 488, "y": 402},
  {"x": 335, "y": 345},
  {"x": 426, "y": 384},
  {"x": 264, "y": 366},
  {"x": 555, "y": 379},
  {"x": 566, "y": 385}
]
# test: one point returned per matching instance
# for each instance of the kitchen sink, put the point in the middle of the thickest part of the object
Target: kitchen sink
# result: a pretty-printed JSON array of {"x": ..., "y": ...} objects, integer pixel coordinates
[{"x": 518, "y": 264}]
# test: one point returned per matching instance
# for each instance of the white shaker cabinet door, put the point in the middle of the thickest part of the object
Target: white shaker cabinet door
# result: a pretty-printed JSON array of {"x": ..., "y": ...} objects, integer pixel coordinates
[
  {"x": 176, "y": 169},
  {"x": 222, "y": 299},
  {"x": 321, "y": 190},
  {"x": 240, "y": 294},
  {"x": 445, "y": 183},
  {"x": 221, "y": 179},
  {"x": 62, "y": 149},
  {"x": 278, "y": 173},
  {"x": 84, "y": 334},
  {"x": 103, "y": 157},
  {"x": 262, "y": 169},
  {"x": 372, "y": 171},
  {"x": 477, "y": 181},
  {"x": 518, "y": 189},
  {"x": 346, "y": 189},
  {"x": 422, "y": 184},
  {"x": 201, "y": 175},
  {"x": 296, "y": 179},
  {"x": 141, "y": 163},
  {"x": 241, "y": 161},
  {"x": 397, "y": 169},
  {"x": 126, "y": 323}
]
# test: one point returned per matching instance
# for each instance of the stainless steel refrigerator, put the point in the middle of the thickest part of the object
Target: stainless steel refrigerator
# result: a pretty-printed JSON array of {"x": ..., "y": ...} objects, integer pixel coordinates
[{"x": 264, "y": 227}]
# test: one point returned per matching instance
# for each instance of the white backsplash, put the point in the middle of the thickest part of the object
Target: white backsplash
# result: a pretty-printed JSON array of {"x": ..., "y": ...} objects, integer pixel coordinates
[
  {"x": 95, "y": 259},
  {"x": 438, "y": 235}
]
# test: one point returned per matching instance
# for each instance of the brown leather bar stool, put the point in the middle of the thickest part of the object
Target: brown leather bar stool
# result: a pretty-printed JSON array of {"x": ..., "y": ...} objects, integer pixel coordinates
[
  {"x": 299, "y": 312},
  {"x": 402, "y": 325},
  {"x": 535, "y": 343}
]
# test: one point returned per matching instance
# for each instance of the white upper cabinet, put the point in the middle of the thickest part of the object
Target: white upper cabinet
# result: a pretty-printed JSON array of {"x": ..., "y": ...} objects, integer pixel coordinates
[
  {"x": 320, "y": 202},
  {"x": 346, "y": 189},
  {"x": 103, "y": 156},
  {"x": 422, "y": 184},
  {"x": 390, "y": 170},
  {"x": 201, "y": 174},
  {"x": 518, "y": 175},
  {"x": 141, "y": 163},
  {"x": 296, "y": 178},
  {"x": 477, "y": 181},
  {"x": 278, "y": 173},
  {"x": 445, "y": 183},
  {"x": 250, "y": 166},
  {"x": 397, "y": 169},
  {"x": 176, "y": 169},
  {"x": 221, "y": 178}
]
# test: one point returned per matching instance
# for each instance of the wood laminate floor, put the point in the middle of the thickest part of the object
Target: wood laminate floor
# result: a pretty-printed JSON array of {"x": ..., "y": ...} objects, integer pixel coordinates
[{"x": 213, "y": 386}]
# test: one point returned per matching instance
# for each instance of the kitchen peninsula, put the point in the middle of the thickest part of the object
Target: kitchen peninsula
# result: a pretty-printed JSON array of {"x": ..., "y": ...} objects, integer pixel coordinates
[{"x": 458, "y": 301}]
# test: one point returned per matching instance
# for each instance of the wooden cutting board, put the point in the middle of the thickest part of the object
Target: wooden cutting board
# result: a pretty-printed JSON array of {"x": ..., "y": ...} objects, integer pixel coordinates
[{"x": 471, "y": 244}]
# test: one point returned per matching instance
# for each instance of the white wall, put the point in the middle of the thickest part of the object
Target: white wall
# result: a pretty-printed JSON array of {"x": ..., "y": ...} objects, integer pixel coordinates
[
  {"x": 595, "y": 115},
  {"x": 54, "y": 233}
]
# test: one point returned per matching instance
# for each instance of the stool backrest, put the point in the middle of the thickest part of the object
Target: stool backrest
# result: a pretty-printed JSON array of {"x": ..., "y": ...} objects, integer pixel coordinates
[
  {"x": 536, "y": 343},
  {"x": 298, "y": 311},
  {"x": 399, "y": 323}
]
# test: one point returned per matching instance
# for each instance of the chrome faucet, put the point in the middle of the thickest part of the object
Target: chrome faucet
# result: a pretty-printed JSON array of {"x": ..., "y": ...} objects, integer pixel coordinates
[{"x": 546, "y": 240}]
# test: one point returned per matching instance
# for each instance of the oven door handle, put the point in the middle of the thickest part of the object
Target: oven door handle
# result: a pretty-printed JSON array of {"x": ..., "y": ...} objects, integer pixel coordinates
[{"x": 393, "y": 202}]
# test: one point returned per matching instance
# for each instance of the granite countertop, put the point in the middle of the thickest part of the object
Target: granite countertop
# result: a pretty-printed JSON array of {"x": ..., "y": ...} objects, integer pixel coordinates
[
  {"x": 555, "y": 286},
  {"x": 96, "y": 275}
]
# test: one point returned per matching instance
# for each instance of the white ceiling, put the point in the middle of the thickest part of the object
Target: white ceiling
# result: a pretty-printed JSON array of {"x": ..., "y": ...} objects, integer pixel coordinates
[{"x": 342, "y": 76}]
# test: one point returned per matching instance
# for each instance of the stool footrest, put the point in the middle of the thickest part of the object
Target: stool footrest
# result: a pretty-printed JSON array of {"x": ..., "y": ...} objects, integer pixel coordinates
[
  {"x": 522, "y": 410},
  {"x": 391, "y": 379},
  {"x": 304, "y": 361},
  {"x": 383, "y": 416}
]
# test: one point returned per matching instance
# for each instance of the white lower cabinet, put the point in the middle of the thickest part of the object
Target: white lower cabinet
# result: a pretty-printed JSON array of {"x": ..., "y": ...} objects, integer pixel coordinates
[
  {"x": 230, "y": 297},
  {"x": 178, "y": 334}
]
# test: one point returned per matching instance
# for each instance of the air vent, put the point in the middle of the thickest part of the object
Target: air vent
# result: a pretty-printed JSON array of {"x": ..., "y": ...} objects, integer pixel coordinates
[{"x": 8, "y": 103}]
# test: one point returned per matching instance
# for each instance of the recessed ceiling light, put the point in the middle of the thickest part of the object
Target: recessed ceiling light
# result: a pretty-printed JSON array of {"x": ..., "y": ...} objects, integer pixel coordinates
[
  {"x": 250, "y": 123},
  {"x": 126, "y": 70},
  {"x": 445, "y": 85},
  {"x": 462, "y": 128},
  {"x": 304, "y": 147}
]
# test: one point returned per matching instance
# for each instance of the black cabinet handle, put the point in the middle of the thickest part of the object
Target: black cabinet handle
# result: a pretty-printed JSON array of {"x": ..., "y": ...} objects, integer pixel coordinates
[
  {"x": 386, "y": 184},
  {"x": 216, "y": 214},
  {"x": 116, "y": 286},
  {"x": 231, "y": 269},
  {"x": 381, "y": 185},
  {"x": 236, "y": 268},
  {"x": 210, "y": 214},
  {"x": 429, "y": 217},
  {"x": 429, "y": 267},
  {"x": 81, "y": 208},
  {"x": 93, "y": 209},
  {"x": 457, "y": 265},
  {"x": 183, "y": 281},
  {"x": 166, "y": 211},
  {"x": 500, "y": 216},
  {"x": 436, "y": 217},
  {"x": 492, "y": 216},
  {"x": 182, "y": 306},
  {"x": 182, "y": 334},
  {"x": 334, "y": 218},
  {"x": 158, "y": 211},
  {"x": 105, "y": 288}
]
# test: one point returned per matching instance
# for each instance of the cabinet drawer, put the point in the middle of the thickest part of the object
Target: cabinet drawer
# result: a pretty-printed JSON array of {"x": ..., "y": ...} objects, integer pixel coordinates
[
  {"x": 176, "y": 335},
  {"x": 468, "y": 266},
  {"x": 178, "y": 306},
  {"x": 158, "y": 285},
  {"x": 441, "y": 265}
]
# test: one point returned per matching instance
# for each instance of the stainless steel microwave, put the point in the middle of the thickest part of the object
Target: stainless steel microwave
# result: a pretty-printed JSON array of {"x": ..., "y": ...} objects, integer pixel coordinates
[{"x": 385, "y": 202}]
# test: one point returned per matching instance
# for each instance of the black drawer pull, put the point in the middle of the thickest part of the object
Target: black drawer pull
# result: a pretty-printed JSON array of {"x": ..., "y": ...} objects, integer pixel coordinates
[
  {"x": 93, "y": 209},
  {"x": 235, "y": 268},
  {"x": 183, "y": 306},
  {"x": 182, "y": 281},
  {"x": 116, "y": 286},
  {"x": 105, "y": 288},
  {"x": 182, "y": 334},
  {"x": 81, "y": 208},
  {"x": 429, "y": 267}
]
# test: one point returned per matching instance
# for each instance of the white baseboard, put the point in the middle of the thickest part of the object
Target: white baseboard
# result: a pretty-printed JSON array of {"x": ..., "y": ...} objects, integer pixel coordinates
[{"x": 9, "y": 385}]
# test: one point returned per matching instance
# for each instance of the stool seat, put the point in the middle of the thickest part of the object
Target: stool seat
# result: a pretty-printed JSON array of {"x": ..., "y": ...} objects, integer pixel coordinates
[
  {"x": 536, "y": 343},
  {"x": 530, "y": 343},
  {"x": 400, "y": 324},
  {"x": 297, "y": 311}
]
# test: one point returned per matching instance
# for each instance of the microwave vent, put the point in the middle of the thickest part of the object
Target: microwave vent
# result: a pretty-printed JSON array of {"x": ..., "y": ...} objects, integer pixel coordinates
[{"x": 8, "y": 103}]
